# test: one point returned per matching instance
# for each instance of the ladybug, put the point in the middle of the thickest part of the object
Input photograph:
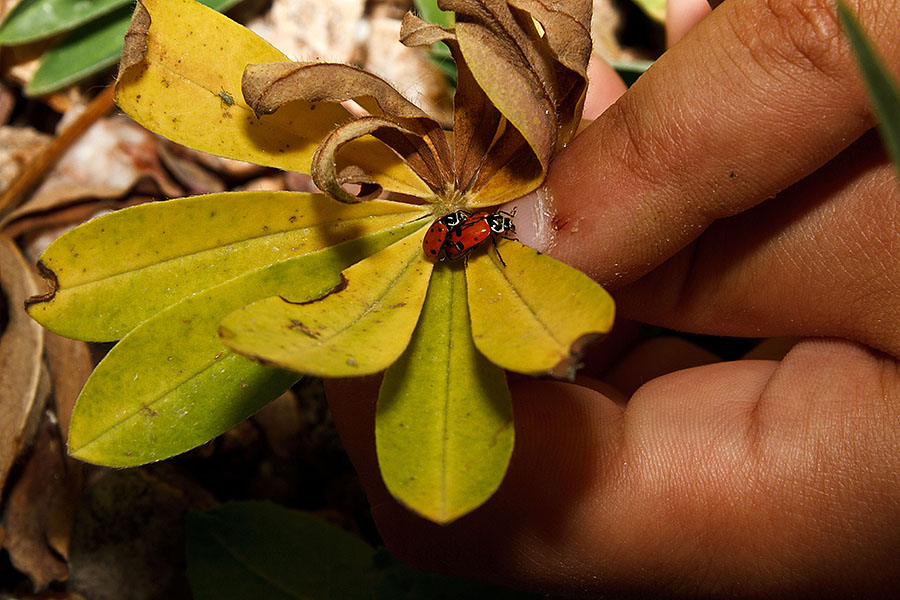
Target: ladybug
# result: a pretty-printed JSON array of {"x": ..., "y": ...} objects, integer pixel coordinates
[
  {"x": 436, "y": 236},
  {"x": 476, "y": 230}
]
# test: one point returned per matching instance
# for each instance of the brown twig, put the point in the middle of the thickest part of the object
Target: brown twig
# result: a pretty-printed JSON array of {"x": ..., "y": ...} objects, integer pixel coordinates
[{"x": 38, "y": 168}]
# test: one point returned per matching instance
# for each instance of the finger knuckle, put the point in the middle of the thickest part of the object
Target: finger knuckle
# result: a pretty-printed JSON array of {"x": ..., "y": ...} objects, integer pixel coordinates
[
  {"x": 802, "y": 35},
  {"x": 650, "y": 144}
]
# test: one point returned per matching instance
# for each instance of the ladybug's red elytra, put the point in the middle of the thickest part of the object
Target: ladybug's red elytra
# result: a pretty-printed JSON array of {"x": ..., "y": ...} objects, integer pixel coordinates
[
  {"x": 459, "y": 233},
  {"x": 434, "y": 240}
]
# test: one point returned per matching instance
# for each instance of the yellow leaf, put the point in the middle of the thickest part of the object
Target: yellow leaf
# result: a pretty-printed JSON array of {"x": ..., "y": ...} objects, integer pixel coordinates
[
  {"x": 358, "y": 329},
  {"x": 119, "y": 269},
  {"x": 184, "y": 82},
  {"x": 443, "y": 428},
  {"x": 171, "y": 385},
  {"x": 536, "y": 314}
]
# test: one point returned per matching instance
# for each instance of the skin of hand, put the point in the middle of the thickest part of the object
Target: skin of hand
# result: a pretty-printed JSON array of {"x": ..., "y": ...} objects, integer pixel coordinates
[{"x": 737, "y": 189}]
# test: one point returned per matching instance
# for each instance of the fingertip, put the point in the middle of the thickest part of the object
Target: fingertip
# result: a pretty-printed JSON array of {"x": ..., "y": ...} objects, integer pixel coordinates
[
  {"x": 604, "y": 87},
  {"x": 566, "y": 437},
  {"x": 534, "y": 222},
  {"x": 681, "y": 16},
  {"x": 352, "y": 403},
  {"x": 534, "y": 216}
]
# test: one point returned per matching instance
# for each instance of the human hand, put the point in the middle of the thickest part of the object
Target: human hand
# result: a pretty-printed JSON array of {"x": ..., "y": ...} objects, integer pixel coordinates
[{"x": 734, "y": 190}]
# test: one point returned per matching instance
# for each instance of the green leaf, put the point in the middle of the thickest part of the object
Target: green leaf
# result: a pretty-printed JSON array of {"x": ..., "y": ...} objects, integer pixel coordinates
[
  {"x": 259, "y": 550},
  {"x": 171, "y": 385},
  {"x": 440, "y": 54},
  {"x": 249, "y": 550},
  {"x": 404, "y": 583},
  {"x": 169, "y": 250},
  {"x": 90, "y": 49},
  {"x": 655, "y": 9},
  {"x": 32, "y": 20},
  {"x": 81, "y": 53},
  {"x": 359, "y": 329},
  {"x": 882, "y": 87},
  {"x": 630, "y": 70},
  {"x": 429, "y": 11},
  {"x": 443, "y": 428}
]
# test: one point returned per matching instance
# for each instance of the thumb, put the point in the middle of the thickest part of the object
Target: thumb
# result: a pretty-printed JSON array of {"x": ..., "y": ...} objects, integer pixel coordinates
[{"x": 757, "y": 96}]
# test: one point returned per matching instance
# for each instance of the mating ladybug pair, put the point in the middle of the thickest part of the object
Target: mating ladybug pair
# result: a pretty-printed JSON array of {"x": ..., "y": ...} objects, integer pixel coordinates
[{"x": 460, "y": 232}]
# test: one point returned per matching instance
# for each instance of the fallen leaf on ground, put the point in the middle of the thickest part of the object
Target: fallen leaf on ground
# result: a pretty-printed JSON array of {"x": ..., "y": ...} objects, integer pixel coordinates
[
  {"x": 18, "y": 147},
  {"x": 21, "y": 349},
  {"x": 40, "y": 509},
  {"x": 106, "y": 162}
]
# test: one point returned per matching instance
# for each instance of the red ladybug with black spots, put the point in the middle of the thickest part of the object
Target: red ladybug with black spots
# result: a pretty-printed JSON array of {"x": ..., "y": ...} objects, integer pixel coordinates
[
  {"x": 436, "y": 236},
  {"x": 459, "y": 233}
]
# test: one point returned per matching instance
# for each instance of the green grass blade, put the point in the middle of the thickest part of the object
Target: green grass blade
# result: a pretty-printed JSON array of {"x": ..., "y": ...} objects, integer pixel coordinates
[{"x": 881, "y": 86}]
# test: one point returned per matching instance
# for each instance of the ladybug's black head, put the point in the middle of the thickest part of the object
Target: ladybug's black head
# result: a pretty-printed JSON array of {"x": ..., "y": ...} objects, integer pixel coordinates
[
  {"x": 500, "y": 224},
  {"x": 454, "y": 219}
]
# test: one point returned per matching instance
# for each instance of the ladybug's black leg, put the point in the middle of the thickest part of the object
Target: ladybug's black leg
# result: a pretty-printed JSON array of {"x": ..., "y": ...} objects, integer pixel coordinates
[
  {"x": 465, "y": 255},
  {"x": 497, "y": 250}
]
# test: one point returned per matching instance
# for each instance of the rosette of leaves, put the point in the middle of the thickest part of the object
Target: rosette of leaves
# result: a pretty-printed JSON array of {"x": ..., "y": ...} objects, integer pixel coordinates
[{"x": 221, "y": 302}]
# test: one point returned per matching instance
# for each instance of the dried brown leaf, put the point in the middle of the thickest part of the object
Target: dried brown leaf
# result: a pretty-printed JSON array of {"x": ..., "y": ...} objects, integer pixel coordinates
[
  {"x": 476, "y": 120},
  {"x": 533, "y": 74},
  {"x": 70, "y": 366},
  {"x": 106, "y": 162},
  {"x": 567, "y": 28},
  {"x": 135, "y": 48},
  {"x": 415, "y": 31},
  {"x": 329, "y": 174},
  {"x": 501, "y": 47},
  {"x": 18, "y": 147},
  {"x": 406, "y": 128},
  {"x": 39, "y": 513},
  {"x": 21, "y": 348},
  {"x": 270, "y": 86},
  {"x": 195, "y": 179}
]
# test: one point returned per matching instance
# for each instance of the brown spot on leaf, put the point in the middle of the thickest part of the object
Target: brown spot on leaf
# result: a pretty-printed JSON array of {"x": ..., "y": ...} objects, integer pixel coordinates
[
  {"x": 50, "y": 277},
  {"x": 295, "y": 324},
  {"x": 338, "y": 288}
]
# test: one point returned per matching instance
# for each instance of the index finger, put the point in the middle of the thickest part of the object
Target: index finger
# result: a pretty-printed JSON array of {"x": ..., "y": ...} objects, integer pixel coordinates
[{"x": 757, "y": 96}]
